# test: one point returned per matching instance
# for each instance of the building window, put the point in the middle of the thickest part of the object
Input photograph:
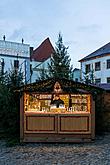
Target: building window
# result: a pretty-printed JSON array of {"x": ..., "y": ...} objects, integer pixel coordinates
[
  {"x": 108, "y": 64},
  {"x": 98, "y": 80},
  {"x": 1, "y": 66},
  {"x": 16, "y": 64},
  {"x": 87, "y": 69},
  {"x": 108, "y": 79},
  {"x": 76, "y": 79},
  {"x": 97, "y": 66}
]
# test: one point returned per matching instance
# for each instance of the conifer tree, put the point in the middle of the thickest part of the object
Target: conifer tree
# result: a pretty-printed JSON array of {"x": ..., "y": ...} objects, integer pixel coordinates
[
  {"x": 43, "y": 74},
  {"x": 89, "y": 77},
  {"x": 9, "y": 101},
  {"x": 59, "y": 66}
]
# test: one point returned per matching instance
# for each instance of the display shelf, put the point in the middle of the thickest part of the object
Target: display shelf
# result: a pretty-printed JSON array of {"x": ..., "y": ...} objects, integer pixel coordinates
[
  {"x": 80, "y": 102},
  {"x": 41, "y": 102}
]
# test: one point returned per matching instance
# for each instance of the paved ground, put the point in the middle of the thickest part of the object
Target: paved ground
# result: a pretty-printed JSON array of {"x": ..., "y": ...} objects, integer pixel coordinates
[{"x": 96, "y": 153}]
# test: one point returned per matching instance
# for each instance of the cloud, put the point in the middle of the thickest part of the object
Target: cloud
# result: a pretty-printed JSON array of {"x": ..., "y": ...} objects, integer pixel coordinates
[
  {"x": 89, "y": 28},
  {"x": 17, "y": 33},
  {"x": 70, "y": 42}
]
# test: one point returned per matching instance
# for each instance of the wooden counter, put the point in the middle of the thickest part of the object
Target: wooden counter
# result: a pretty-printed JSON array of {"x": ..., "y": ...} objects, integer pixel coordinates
[{"x": 57, "y": 127}]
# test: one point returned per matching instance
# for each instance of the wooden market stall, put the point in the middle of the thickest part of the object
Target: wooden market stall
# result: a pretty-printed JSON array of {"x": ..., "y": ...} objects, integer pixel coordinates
[{"x": 42, "y": 121}]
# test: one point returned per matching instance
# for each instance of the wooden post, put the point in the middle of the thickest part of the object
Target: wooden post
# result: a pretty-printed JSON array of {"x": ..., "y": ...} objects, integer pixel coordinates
[
  {"x": 92, "y": 119},
  {"x": 21, "y": 118}
]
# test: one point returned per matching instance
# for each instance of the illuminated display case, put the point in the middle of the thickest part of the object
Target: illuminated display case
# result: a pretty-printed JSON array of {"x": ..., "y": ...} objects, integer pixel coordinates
[
  {"x": 80, "y": 102},
  {"x": 37, "y": 102},
  {"x": 42, "y": 103}
]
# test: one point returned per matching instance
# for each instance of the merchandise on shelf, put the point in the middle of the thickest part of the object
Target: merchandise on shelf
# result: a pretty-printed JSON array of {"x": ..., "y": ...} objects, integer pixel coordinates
[{"x": 42, "y": 102}]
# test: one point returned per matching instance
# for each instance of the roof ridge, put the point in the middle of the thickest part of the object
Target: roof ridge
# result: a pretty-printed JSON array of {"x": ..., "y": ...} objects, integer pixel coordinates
[
  {"x": 43, "y": 51},
  {"x": 105, "y": 49},
  {"x": 47, "y": 39}
]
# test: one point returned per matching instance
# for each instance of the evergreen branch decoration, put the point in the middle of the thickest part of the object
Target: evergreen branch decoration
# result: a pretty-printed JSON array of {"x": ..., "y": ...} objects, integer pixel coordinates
[{"x": 59, "y": 65}]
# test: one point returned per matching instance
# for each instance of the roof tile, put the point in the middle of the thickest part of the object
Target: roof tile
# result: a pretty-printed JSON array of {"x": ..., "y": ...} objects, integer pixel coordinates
[
  {"x": 99, "y": 52},
  {"x": 43, "y": 52}
]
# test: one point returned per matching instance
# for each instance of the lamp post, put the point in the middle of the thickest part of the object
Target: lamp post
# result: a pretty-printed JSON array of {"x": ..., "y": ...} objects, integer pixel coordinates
[{"x": 2, "y": 66}]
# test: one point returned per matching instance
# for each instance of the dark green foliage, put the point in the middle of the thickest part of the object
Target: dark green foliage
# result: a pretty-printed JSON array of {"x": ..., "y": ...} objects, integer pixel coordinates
[
  {"x": 92, "y": 77},
  {"x": 9, "y": 102},
  {"x": 89, "y": 77},
  {"x": 14, "y": 78},
  {"x": 43, "y": 74},
  {"x": 59, "y": 66}
]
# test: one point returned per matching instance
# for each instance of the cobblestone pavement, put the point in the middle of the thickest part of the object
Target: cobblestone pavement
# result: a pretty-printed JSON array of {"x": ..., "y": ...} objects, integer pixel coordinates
[{"x": 95, "y": 153}]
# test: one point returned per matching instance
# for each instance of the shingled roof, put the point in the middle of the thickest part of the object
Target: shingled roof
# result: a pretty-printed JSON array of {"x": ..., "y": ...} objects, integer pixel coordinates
[
  {"x": 104, "y": 50},
  {"x": 67, "y": 86},
  {"x": 105, "y": 86},
  {"x": 43, "y": 52}
]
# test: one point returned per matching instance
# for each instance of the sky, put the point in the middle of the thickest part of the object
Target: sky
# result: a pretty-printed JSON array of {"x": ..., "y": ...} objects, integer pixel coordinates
[{"x": 84, "y": 24}]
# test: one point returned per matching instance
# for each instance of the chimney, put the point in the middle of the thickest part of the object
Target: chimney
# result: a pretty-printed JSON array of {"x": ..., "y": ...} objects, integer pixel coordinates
[
  {"x": 22, "y": 40},
  {"x": 4, "y": 37},
  {"x": 31, "y": 51}
]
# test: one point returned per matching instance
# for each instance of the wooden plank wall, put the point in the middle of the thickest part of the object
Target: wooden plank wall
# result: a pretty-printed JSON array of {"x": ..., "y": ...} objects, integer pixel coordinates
[{"x": 102, "y": 106}]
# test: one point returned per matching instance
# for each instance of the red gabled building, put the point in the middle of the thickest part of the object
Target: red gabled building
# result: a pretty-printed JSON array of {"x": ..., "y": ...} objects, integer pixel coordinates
[
  {"x": 40, "y": 58},
  {"x": 43, "y": 52}
]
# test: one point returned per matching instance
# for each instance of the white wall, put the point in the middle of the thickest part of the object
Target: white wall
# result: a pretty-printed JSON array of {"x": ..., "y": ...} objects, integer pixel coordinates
[
  {"x": 103, "y": 73},
  {"x": 9, "y": 51},
  {"x": 36, "y": 67},
  {"x": 23, "y": 63},
  {"x": 76, "y": 75}
]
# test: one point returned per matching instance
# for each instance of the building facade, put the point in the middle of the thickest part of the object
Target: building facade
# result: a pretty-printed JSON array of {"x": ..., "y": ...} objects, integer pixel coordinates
[
  {"x": 40, "y": 59},
  {"x": 76, "y": 74},
  {"x": 17, "y": 55},
  {"x": 97, "y": 64}
]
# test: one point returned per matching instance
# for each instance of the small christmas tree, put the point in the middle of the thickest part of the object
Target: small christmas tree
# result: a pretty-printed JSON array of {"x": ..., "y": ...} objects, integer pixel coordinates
[
  {"x": 89, "y": 77},
  {"x": 59, "y": 66}
]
